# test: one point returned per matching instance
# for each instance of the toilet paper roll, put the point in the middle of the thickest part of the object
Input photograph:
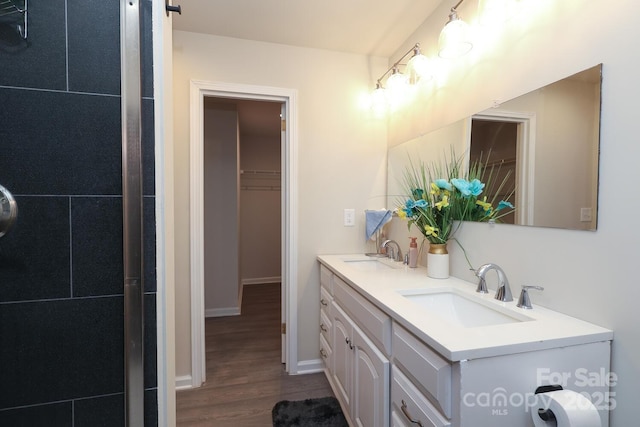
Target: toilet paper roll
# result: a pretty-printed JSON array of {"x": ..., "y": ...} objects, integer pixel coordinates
[{"x": 571, "y": 409}]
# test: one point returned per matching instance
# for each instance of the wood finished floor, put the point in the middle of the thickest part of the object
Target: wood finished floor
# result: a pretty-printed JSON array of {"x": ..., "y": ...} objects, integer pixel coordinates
[{"x": 244, "y": 375}]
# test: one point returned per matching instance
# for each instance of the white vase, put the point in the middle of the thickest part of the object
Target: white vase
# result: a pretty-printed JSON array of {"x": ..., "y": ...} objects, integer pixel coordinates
[{"x": 438, "y": 261}]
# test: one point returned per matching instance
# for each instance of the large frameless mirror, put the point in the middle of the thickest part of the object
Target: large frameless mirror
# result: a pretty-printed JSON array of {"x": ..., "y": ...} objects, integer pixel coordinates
[{"x": 548, "y": 139}]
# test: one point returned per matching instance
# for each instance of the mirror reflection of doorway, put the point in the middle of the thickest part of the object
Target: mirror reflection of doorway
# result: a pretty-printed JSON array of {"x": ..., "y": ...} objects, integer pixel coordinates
[{"x": 495, "y": 143}]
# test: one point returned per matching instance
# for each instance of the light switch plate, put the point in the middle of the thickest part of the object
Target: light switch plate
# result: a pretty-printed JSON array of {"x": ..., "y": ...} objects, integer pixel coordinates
[
  {"x": 585, "y": 214},
  {"x": 349, "y": 217}
]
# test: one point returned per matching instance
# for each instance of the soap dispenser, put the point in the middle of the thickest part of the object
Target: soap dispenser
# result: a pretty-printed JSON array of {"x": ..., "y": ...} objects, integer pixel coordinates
[{"x": 413, "y": 252}]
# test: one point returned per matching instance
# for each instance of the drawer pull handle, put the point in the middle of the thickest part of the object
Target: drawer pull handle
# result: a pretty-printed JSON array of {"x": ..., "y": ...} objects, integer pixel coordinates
[
  {"x": 323, "y": 302},
  {"x": 323, "y": 353},
  {"x": 348, "y": 341},
  {"x": 406, "y": 413},
  {"x": 323, "y": 328}
]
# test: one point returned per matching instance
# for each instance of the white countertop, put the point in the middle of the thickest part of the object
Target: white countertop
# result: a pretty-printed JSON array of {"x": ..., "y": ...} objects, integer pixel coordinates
[{"x": 543, "y": 329}]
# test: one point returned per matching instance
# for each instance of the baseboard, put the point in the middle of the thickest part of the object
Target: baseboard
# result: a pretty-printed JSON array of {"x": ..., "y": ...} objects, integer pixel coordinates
[
  {"x": 310, "y": 366},
  {"x": 221, "y": 312},
  {"x": 184, "y": 382},
  {"x": 261, "y": 280}
]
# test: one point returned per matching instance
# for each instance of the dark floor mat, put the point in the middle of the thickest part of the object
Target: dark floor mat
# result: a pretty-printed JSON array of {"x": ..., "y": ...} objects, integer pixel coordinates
[{"x": 322, "y": 412}]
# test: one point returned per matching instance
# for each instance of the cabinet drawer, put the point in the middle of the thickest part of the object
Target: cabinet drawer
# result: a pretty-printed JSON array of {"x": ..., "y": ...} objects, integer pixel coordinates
[
  {"x": 326, "y": 278},
  {"x": 370, "y": 318},
  {"x": 325, "y": 325},
  {"x": 325, "y": 299},
  {"x": 425, "y": 367},
  {"x": 325, "y": 353},
  {"x": 409, "y": 406}
]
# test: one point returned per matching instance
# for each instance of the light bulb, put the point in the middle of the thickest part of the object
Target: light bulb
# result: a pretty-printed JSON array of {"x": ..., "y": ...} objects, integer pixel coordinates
[
  {"x": 379, "y": 103},
  {"x": 419, "y": 68},
  {"x": 454, "y": 38},
  {"x": 397, "y": 82}
]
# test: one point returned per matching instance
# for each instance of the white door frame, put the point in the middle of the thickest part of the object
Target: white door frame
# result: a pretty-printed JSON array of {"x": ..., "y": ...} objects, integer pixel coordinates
[
  {"x": 526, "y": 158},
  {"x": 198, "y": 90},
  {"x": 165, "y": 244}
]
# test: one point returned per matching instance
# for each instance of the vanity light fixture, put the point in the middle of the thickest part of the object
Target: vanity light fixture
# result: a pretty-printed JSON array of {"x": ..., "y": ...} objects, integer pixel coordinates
[
  {"x": 455, "y": 39},
  {"x": 417, "y": 68}
]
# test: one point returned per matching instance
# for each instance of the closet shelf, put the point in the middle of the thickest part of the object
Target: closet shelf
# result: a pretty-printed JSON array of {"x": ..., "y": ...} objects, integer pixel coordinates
[
  {"x": 260, "y": 173},
  {"x": 259, "y": 180},
  {"x": 260, "y": 188},
  {"x": 500, "y": 162}
]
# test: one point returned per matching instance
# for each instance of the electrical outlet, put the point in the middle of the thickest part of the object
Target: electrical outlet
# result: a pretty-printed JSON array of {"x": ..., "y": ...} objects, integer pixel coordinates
[
  {"x": 349, "y": 217},
  {"x": 585, "y": 214}
]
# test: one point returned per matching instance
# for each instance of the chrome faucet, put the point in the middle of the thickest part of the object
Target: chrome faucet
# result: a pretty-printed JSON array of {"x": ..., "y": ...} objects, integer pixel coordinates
[
  {"x": 503, "y": 293},
  {"x": 397, "y": 255}
]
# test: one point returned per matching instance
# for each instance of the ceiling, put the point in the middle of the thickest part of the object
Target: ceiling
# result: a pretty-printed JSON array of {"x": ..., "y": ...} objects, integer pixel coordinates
[{"x": 368, "y": 27}]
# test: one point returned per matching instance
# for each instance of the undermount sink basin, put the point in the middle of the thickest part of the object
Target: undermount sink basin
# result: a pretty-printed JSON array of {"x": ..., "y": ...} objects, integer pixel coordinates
[
  {"x": 461, "y": 310},
  {"x": 368, "y": 264}
]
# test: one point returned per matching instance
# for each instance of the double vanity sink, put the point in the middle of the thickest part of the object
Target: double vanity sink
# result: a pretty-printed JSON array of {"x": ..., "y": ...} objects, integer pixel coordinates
[
  {"x": 402, "y": 349},
  {"x": 452, "y": 317}
]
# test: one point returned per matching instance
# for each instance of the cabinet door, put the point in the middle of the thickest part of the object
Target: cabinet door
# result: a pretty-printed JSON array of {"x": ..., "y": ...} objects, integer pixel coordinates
[
  {"x": 370, "y": 404},
  {"x": 342, "y": 354}
]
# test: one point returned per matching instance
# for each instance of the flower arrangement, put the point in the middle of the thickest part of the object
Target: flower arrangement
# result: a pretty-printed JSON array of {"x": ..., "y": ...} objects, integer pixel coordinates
[{"x": 442, "y": 195}]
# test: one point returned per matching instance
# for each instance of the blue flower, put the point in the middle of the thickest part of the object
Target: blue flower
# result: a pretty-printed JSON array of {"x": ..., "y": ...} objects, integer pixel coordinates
[
  {"x": 502, "y": 204},
  {"x": 417, "y": 193},
  {"x": 422, "y": 203},
  {"x": 476, "y": 187},
  {"x": 443, "y": 184},
  {"x": 406, "y": 212},
  {"x": 473, "y": 188},
  {"x": 410, "y": 205},
  {"x": 462, "y": 185}
]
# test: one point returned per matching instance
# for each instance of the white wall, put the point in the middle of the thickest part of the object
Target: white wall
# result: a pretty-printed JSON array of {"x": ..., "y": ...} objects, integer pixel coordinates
[
  {"x": 589, "y": 275},
  {"x": 341, "y": 156},
  {"x": 221, "y": 211},
  {"x": 260, "y": 209}
]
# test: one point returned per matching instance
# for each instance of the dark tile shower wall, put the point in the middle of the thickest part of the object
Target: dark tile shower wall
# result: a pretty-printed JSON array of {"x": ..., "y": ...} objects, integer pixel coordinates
[{"x": 61, "y": 284}]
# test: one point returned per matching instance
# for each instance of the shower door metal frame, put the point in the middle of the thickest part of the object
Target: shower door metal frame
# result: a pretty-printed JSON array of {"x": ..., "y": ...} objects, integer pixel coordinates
[{"x": 131, "y": 101}]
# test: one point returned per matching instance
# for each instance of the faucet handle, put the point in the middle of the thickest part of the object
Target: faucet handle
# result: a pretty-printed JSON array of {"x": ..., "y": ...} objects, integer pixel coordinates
[{"x": 524, "y": 301}]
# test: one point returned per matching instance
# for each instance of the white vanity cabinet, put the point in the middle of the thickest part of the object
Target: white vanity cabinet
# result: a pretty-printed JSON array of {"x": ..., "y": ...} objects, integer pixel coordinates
[
  {"x": 359, "y": 371},
  {"x": 360, "y": 374},
  {"x": 326, "y": 328},
  {"x": 391, "y": 364}
]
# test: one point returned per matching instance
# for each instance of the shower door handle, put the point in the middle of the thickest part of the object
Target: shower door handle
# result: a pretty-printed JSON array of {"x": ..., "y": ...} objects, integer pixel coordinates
[{"x": 8, "y": 211}]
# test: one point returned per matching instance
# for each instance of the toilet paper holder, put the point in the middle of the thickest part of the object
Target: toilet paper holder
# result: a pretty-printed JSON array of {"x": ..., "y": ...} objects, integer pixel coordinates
[{"x": 547, "y": 414}]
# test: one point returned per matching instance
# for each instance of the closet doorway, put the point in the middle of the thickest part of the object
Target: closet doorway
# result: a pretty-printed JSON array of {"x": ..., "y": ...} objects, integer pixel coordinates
[
  {"x": 509, "y": 137},
  {"x": 242, "y": 194},
  {"x": 242, "y": 206}
]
